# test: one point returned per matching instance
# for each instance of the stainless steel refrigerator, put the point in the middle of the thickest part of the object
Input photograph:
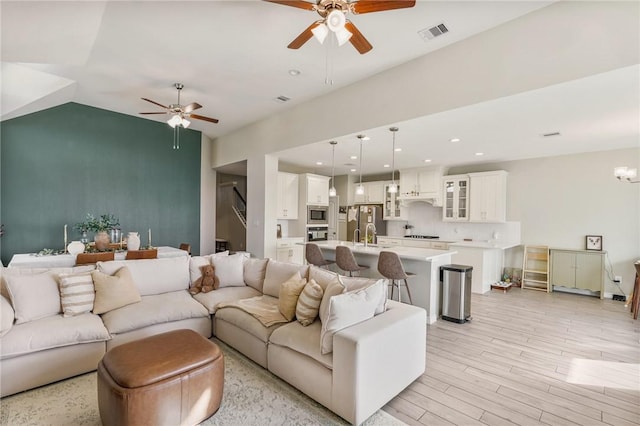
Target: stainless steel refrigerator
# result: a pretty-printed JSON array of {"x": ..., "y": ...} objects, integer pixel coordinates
[{"x": 359, "y": 216}]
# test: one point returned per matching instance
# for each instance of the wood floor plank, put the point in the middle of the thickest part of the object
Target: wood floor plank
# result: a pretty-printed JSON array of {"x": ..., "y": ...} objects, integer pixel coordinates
[{"x": 529, "y": 358}]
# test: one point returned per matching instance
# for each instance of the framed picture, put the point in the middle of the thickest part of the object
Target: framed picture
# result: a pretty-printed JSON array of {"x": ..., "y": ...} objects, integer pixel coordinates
[{"x": 594, "y": 242}]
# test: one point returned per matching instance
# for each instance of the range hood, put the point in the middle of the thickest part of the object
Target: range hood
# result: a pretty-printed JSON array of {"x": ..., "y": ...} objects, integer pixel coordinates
[
  {"x": 421, "y": 184},
  {"x": 423, "y": 197}
]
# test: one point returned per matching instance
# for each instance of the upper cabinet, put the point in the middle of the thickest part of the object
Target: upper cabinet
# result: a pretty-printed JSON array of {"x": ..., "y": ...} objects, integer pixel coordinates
[
  {"x": 316, "y": 188},
  {"x": 421, "y": 184},
  {"x": 488, "y": 194},
  {"x": 393, "y": 209},
  {"x": 456, "y": 198},
  {"x": 373, "y": 193},
  {"x": 287, "y": 196}
]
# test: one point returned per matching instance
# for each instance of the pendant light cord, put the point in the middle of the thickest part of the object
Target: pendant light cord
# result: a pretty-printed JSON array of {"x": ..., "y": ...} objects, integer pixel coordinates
[{"x": 393, "y": 160}]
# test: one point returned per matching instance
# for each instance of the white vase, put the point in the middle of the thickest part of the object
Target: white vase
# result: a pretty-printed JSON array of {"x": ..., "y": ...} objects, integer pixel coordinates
[
  {"x": 133, "y": 241},
  {"x": 75, "y": 247}
]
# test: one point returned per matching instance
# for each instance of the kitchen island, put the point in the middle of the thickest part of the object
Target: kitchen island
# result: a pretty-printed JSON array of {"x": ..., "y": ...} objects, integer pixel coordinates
[{"x": 425, "y": 263}]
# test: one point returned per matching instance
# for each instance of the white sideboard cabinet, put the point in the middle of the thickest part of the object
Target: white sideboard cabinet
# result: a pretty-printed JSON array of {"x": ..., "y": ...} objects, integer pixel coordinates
[{"x": 578, "y": 270}]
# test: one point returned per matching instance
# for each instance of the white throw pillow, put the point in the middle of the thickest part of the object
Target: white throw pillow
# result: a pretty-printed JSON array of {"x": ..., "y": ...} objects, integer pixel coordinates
[
  {"x": 356, "y": 283},
  {"x": 230, "y": 270},
  {"x": 348, "y": 309},
  {"x": 76, "y": 293},
  {"x": 33, "y": 296},
  {"x": 335, "y": 287}
]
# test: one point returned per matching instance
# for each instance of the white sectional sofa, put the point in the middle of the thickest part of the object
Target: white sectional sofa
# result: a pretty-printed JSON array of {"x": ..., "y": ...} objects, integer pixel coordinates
[{"x": 371, "y": 362}]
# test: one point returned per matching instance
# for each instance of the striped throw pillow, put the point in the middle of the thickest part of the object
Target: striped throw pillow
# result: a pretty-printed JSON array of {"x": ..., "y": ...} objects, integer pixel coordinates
[
  {"x": 309, "y": 303},
  {"x": 76, "y": 293}
]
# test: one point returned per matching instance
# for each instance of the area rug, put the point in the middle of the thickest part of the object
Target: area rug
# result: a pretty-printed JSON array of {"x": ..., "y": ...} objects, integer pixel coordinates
[{"x": 252, "y": 396}]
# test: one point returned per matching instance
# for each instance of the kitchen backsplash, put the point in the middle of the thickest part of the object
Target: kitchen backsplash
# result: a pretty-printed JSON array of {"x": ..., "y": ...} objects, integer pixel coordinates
[{"x": 427, "y": 220}]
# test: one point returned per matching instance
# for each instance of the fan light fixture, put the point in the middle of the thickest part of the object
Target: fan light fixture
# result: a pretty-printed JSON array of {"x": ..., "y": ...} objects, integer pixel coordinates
[
  {"x": 625, "y": 174},
  {"x": 393, "y": 188},
  {"x": 335, "y": 22},
  {"x": 360, "y": 188},
  {"x": 332, "y": 190},
  {"x": 177, "y": 120}
]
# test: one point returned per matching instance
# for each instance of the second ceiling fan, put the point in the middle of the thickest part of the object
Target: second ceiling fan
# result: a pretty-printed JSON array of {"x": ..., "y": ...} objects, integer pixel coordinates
[{"x": 333, "y": 14}]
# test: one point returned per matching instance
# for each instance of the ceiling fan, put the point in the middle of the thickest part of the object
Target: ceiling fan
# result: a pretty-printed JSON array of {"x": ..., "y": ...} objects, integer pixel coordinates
[
  {"x": 179, "y": 112},
  {"x": 333, "y": 14}
]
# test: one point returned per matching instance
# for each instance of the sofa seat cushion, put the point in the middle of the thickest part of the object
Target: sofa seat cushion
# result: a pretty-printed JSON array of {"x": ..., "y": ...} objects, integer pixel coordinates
[
  {"x": 211, "y": 299},
  {"x": 305, "y": 340},
  {"x": 248, "y": 322},
  {"x": 52, "y": 332},
  {"x": 155, "y": 309}
]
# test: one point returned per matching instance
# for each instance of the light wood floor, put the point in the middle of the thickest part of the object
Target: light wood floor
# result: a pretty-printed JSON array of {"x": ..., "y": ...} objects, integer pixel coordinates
[{"x": 529, "y": 358}]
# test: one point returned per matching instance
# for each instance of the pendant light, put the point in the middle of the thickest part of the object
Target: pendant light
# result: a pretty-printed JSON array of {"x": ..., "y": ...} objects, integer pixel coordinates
[
  {"x": 393, "y": 188},
  {"x": 332, "y": 190},
  {"x": 360, "y": 188}
]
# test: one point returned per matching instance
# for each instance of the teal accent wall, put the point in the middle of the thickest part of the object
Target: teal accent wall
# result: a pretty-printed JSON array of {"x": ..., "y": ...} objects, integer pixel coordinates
[{"x": 59, "y": 164}]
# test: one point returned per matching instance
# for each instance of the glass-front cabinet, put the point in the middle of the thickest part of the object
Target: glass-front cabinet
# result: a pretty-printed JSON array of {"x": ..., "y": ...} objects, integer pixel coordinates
[
  {"x": 392, "y": 204},
  {"x": 456, "y": 198}
]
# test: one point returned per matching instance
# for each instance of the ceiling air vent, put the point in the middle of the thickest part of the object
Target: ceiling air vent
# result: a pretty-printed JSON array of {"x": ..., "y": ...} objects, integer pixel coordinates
[
  {"x": 282, "y": 99},
  {"x": 548, "y": 135},
  {"x": 433, "y": 32}
]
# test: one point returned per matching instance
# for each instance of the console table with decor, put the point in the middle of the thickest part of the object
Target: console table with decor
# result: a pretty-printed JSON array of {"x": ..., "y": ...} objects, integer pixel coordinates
[{"x": 30, "y": 260}]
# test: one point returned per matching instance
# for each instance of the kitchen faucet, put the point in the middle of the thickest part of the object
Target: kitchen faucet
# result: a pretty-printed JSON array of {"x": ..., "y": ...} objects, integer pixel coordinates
[
  {"x": 354, "y": 236},
  {"x": 366, "y": 234}
]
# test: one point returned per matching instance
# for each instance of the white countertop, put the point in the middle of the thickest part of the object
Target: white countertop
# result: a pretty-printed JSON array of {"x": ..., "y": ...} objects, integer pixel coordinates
[
  {"x": 499, "y": 245},
  {"x": 413, "y": 253}
]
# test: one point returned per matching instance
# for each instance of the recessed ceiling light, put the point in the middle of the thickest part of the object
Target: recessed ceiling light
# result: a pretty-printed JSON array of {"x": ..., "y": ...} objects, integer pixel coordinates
[
  {"x": 479, "y": 154},
  {"x": 353, "y": 170},
  {"x": 318, "y": 163},
  {"x": 454, "y": 140},
  {"x": 354, "y": 157},
  {"x": 398, "y": 149},
  {"x": 386, "y": 166},
  {"x": 294, "y": 73},
  {"x": 427, "y": 160}
]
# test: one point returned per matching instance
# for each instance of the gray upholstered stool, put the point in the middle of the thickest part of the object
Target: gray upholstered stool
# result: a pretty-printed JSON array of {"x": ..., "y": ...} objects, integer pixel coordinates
[
  {"x": 314, "y": 256},
  {"x": 346, "y": 261},
  {"x": 390, "y": 267}
]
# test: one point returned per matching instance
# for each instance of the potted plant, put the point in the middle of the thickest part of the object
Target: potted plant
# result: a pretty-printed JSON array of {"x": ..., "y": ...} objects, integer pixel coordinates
[{"x": 100, "y": 225}]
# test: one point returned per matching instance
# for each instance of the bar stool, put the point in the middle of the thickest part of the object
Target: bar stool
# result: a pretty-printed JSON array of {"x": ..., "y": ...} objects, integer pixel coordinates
[
  {"x": 314, "y": 256},
  {"x": 390, "y": 267},
  {"x": 346, "y": 261}
]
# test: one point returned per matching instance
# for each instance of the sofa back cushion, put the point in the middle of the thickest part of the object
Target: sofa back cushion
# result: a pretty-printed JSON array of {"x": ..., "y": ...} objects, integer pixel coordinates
[
  {"x": 322, "y": 276},
  {"x": 153, "y": 276},
  {"x": 33, "y": 296},
  {"x": 230, "y": 269},
  {"x": 196, "y": 262},
  {"x": 254, "y": 272},
  {"x": 7, "y": 316},
  {"x": 279, "y": 272}
]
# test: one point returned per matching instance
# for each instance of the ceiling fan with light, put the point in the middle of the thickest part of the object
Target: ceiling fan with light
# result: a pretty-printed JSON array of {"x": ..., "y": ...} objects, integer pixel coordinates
[
  {"x": 179, "y": 113},
  {"x": 333, "y": 14}
]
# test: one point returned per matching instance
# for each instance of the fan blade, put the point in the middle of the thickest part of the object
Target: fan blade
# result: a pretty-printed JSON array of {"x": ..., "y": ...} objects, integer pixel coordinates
[
  {"x": 202, "y": 117},
  {"x": 303, "y": 37},
  {"x": 361, "y": 44},
  {"x": 368, "y": 6},
  {"x": 155, "y": 103},
  {"x": 192, "y": 106},
  {"x": 165, "y": 112},
  {"x": 300, "y": 4}
]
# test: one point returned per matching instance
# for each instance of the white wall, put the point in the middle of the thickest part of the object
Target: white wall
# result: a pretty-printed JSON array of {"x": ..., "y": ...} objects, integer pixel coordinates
[
  {"x": 207, "y": 199},
  {"x": 560, "y": 200}
]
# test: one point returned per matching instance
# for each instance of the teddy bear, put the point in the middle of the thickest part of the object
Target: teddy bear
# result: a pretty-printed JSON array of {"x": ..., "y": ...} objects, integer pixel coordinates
[{"x": 207, "y": 282}]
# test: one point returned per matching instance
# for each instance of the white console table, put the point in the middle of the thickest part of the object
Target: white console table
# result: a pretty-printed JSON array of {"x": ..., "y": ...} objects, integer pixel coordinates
[{"x": 30, "y": 260}]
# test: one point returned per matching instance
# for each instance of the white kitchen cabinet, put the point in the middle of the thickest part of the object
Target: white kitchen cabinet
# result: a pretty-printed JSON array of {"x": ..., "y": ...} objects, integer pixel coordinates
[
  {"x": 393, "y": 209},
  {"x": 288, "y": 250},
  {"x": 455, "y": 198},
  {"x": 287, "y": 196},
  {"x": 373, "y": 193},
  {"x": 317, "y": 189},
  {"x": 488, "y": 196},
  {"x": 422, "y": 184},
  {"x": 487, "y": 266},
  {"x": 577, "y": 269}
]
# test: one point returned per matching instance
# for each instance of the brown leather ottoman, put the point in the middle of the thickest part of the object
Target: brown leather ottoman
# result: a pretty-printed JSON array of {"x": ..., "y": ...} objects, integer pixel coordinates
[{"x": 174, "y": 378}]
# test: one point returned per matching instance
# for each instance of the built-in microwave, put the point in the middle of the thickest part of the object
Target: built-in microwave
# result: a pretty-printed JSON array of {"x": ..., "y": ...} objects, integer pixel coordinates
[
  {"x": 317, "y": 233},
  {"x": 317, "y": 215}
]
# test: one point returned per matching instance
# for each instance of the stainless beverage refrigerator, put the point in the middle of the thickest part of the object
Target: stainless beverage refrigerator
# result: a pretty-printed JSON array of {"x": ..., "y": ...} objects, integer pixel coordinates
[{"x": 360, "y": 215}]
